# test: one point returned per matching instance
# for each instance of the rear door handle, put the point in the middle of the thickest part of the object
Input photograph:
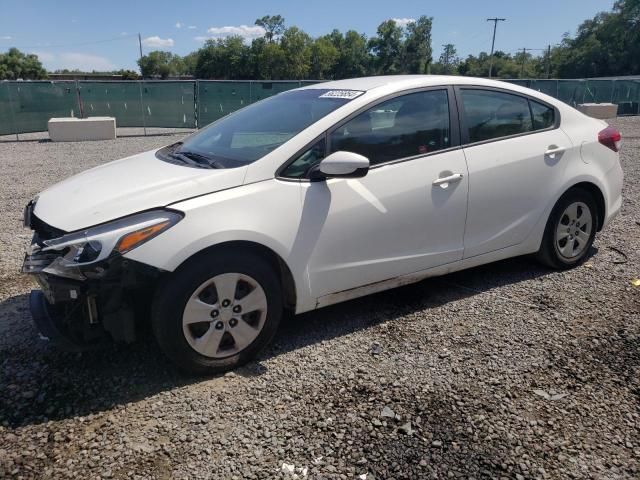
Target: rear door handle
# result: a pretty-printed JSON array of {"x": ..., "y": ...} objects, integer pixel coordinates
[
  {"x": 445, "y": 181},
  {"x": 553, "y": 150}
]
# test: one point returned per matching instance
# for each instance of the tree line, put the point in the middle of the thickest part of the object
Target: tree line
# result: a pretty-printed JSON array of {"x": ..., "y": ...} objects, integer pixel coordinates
[
  {"x": 606, "y": 45},
  {"x": 290, "y": 53}
]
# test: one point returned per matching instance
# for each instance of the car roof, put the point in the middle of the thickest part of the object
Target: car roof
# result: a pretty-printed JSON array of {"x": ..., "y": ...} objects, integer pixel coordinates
[{"x": 404, "y": 82}]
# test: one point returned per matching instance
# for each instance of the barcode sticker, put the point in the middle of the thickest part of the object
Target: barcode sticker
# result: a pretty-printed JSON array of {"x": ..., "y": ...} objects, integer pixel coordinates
[{"x": 346, "y": 94}]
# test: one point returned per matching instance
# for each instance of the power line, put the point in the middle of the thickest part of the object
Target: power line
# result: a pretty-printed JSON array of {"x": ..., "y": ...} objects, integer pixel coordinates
[{"x": 493, "y": 42}]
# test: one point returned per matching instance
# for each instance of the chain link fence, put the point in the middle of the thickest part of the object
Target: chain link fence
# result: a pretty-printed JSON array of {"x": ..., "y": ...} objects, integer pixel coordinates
[{"x": 28, "y": 106}]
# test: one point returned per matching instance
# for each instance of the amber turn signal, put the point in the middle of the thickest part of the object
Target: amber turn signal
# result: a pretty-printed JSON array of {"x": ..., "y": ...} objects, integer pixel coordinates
[{"x": 133, "y": 239}]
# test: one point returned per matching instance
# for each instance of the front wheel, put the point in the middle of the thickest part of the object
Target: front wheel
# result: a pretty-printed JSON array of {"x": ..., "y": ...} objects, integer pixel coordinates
[
  {"x": 216, "y": 312},
  {"x": 570, "y": 230}
]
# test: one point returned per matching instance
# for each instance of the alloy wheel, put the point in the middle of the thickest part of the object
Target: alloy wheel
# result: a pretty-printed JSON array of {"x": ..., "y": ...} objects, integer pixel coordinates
[
  {"x": 224, "y": 315},
  {"x": 574, "y": 230}
]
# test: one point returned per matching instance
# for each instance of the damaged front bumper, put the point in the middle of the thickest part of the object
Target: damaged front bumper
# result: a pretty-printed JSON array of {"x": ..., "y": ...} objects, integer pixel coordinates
[
  {"x": 79, "y": 314},
  {"x": 82, "y": 305}
]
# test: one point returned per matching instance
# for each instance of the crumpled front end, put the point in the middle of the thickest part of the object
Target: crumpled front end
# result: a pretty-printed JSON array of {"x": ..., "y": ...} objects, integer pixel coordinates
[{"x": 90, "y": 293}]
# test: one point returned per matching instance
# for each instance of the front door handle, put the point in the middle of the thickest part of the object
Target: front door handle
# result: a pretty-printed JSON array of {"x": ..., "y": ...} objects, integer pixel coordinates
[
  {"x": 553, "y": 150},
  {"x": 445, "y": 181}
]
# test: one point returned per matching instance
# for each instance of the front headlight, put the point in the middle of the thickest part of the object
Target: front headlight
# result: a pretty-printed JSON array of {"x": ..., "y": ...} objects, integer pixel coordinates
[{"x": 120, "y": 236}]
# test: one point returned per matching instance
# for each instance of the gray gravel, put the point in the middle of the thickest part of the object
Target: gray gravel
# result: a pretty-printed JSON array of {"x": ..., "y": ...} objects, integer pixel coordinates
[{"x": 504, "y": 371}]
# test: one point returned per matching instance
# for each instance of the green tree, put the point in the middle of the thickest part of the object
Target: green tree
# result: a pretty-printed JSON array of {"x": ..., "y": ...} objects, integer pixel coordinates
[
  {"x": 606, "y": 45},
  {"x": 387, "y": 48},
  {"x": 14, "y": 65},
  {"x": 354, "y": 59},
  {"x": 190, "y": 61},
  {"x": 417, "y": 46},
  {"x": 268, "y": 60},
  {"x": 324, "y": 57},
  {"x": 448, "y": 63},
  {"x": 158, "y": 64},
  {"x": 127, "y": 74},
  {"x": 224, "y": 58},
  {"x": 296, "y": 46},
  {"x": 273, "y": 25}
]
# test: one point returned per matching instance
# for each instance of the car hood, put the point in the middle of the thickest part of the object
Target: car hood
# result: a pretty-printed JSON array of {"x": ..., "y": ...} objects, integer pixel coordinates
[{"x": 127, "y": 186}]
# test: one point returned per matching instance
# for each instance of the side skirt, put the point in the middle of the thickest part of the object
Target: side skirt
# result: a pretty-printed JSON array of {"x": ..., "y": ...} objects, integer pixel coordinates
[{"x": 415, "y": 277}]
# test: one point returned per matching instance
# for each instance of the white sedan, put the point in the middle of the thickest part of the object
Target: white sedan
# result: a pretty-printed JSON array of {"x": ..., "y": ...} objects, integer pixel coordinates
[{"x": 313, "y": 197}]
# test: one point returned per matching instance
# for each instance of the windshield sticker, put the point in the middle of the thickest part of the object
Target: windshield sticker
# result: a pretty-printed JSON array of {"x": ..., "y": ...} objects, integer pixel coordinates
[{"x": 346, "y": 94}]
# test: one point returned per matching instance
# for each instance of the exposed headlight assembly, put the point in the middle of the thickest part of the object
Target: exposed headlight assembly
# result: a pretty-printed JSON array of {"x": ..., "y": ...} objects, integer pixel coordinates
[{"x": 86, "y": 247}]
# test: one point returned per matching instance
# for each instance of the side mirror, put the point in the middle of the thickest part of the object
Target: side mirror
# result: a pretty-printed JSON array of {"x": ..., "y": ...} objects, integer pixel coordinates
[{"x": 341, "y": 165}]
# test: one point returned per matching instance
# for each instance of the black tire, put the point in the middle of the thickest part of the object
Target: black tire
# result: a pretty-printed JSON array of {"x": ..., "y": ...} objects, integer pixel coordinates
[
  {"x": 549, "y": 253},
  {"x": 173, "y": 293}
]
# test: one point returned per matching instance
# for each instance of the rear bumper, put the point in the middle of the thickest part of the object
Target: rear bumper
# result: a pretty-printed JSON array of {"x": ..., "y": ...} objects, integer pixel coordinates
[{"x": 614, "y": 180}]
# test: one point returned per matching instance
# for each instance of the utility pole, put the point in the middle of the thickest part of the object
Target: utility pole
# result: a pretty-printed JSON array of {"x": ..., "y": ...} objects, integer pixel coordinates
[
  {"x": 144, "y": 122},
  {"x": 524, "y": 59},
  {"x": 549, "y": 62},
  {"x": 493, "y": 42},
  {"x": 140, "y": 45}
]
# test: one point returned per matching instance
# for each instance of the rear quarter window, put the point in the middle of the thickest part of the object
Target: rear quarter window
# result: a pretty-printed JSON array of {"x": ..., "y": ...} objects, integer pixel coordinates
[{"x": 543, "y": 116}]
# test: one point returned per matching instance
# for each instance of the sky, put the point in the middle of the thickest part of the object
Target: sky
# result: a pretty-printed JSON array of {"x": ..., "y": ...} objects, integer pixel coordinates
[{"x": 91, "y": 35}]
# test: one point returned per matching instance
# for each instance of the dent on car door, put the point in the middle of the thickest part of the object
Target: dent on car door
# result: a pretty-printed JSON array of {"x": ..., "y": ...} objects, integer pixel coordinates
[
  {"x": 395, "y": 220},
  {"x": 516, "y": 157}
]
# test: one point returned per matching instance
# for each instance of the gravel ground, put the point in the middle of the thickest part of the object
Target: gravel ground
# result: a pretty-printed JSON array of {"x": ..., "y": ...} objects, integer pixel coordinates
[{"x": 503, "y": 371}]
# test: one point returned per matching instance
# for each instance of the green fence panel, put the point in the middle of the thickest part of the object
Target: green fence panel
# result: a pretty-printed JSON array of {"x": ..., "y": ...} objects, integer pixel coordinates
[
  {"x": 164, "y": 103},
  {"x": 260, "y": 90},
  {"x": 521, "y": 82},
  {"x": 571, "y": 91},
  {"x": 626, "y": 95},
  {"x": 28, "y": 106},
  {"x": 219, "y": 98},
  {"x": 169, "y": 104},
  {"x": 112, "y": 99},
  {"x": 598, "y": 91},
  {"x": 550, "y": 87},
  {"x": 7, "y": 125}
]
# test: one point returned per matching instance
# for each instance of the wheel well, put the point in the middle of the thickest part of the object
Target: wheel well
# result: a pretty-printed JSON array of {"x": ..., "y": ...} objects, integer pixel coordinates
[
  {"x": 597, "y": 196},
  {"x": 278, "y": 264}
]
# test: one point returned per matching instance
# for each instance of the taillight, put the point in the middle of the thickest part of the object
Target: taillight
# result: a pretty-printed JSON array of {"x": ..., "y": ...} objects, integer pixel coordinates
[{"x": 610, "y": 138}]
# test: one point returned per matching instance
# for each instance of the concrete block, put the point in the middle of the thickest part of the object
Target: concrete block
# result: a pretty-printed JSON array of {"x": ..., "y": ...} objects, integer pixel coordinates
[
  {"x": 599, "y": 110},
  {"x": 81, "y": 129}
]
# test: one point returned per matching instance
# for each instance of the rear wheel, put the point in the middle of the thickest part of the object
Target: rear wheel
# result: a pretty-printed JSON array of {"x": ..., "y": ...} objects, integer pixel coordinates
[
  {"x": 215, "y": 313},
  {"x": 570, "y": 230}
]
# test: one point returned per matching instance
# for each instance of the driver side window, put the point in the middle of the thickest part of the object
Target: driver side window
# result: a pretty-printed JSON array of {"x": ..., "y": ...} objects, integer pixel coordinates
[{"x": 301, "y": 166}]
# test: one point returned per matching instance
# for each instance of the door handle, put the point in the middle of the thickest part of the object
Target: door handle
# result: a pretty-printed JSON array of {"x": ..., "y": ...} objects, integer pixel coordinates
[
  {"x": 445, "y": 181},
  {"x": 553, "y": 150}
]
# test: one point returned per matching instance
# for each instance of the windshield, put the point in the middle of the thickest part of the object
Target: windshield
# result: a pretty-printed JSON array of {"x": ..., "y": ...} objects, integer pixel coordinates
[{"x": 250, "y": 133}]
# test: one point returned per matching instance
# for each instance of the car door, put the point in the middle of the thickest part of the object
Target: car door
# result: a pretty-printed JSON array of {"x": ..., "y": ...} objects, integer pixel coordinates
[
  {"x": 516, "y": 156},
  {"x": 395, "y": 220}
]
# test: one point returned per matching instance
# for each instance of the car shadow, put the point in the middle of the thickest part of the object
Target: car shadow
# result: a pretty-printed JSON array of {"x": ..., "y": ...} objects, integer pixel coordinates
[{"x": 39, "y": 383}]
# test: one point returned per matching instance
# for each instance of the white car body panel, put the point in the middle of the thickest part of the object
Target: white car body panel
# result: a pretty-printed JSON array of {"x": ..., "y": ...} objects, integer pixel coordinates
[
  {"x": 510, "y": 186},
  {"x": 127, "y": 186},
  {"x": 405, "y": 223},
  {"x": 344, "y": 238}
]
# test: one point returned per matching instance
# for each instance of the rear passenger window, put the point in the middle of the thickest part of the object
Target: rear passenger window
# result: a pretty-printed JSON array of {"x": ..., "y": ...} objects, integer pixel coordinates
[
  {"x": 405, "y": 126},
  {"x": 490, "y": 114},
  {"x": 543, "y": 116}
]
